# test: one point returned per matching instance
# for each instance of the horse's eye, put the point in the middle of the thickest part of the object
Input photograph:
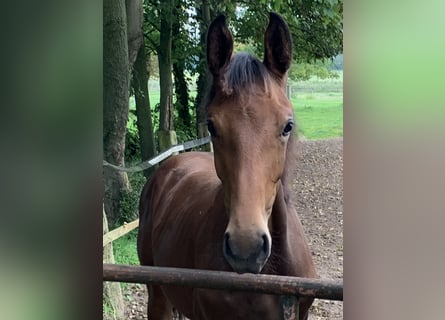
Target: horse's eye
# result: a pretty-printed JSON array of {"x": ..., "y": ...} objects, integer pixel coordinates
[
  {"x": 288, "y": 128},
  {"x": 211, "y": 128}
]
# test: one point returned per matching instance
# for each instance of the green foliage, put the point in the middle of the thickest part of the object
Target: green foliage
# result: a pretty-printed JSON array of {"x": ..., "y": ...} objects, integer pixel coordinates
[
  {"x": 304, "y": 71},
  {"x": 108, "y": 312},
  {"x": 244, "y": 47},
  {"x": 132, "y": 146},
  {"x": 129, "y": 203},
  {"x": 125, "y": 250},
  {"x": 316, "y": 26},
  {"x": 183, "y": 132}
]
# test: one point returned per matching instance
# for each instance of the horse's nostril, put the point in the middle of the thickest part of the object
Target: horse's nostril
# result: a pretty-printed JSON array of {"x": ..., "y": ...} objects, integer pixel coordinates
[
  {"x": 226, "y": 245},
  {"x": 266, "y": 244}
]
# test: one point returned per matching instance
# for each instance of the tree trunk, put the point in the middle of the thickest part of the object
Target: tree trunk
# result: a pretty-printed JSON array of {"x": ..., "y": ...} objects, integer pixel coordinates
[
  {"x": 134, "y": 29},
  {"x": 115, "y": 103},
  {"x": 204, "y": 78},
  {"x": 143, "y": 112},
  {"x": 182, "y": 94},
  {"x": 112, "y": 293},
  {"x": 166, "y": 133},
  {"x": 181, "y": 88}
]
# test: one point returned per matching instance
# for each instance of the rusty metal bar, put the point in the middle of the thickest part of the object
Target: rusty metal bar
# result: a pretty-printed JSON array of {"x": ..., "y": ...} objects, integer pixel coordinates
[{"x": 259, "y": 283}]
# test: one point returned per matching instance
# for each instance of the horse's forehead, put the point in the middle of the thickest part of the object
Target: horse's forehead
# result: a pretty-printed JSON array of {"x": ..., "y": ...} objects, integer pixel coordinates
[{"x": 259, "y": 108}]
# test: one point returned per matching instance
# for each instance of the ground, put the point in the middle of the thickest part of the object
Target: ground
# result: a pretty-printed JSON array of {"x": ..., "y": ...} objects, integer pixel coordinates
[
  {"x": 319, "y": 201},
  {"x": 318, "y": 187}
]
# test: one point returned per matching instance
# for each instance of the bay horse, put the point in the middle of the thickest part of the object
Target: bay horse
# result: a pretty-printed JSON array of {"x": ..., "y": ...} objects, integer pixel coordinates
[{"x": 230, "y": 210}]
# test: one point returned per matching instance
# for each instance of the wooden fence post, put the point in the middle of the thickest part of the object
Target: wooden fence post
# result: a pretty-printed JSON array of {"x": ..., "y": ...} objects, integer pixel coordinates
[
  {"x": 203, "y": 132},
  {"x": 112, "y": 293},
  {"x": 167, "y": 139}
]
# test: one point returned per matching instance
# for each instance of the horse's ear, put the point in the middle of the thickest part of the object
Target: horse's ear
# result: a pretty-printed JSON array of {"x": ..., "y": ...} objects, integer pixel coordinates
[
  {"x": 277, "y": 46},
  {"x": 219, "y": 45}
]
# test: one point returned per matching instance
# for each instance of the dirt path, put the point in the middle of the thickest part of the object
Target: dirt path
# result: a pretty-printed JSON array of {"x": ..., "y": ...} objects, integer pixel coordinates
[
  {"x": 318, "y": 198},
  {"x": 319, "y": 201}
]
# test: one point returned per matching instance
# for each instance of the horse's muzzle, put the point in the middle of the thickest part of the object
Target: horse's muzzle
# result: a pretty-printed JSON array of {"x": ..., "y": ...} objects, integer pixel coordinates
[{"x": 247, "y": 254}]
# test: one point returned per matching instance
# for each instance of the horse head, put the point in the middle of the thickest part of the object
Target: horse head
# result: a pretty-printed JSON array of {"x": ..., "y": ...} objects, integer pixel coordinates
[{"x": 250, "y": 120}]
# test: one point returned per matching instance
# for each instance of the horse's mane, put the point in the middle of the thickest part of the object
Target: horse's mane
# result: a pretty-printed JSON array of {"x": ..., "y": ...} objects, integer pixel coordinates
[
  {"x": 241, "y": 79},
  {"x": 244, "y": 74}
]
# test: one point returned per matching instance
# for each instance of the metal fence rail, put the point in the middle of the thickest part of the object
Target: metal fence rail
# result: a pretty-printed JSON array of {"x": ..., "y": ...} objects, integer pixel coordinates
[
  {"x": 259, "y": 283},
  {"x": 155, "y": 160}
]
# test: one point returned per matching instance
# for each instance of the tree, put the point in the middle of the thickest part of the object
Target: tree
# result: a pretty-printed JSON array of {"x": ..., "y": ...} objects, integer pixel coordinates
[
  {"x": 122, "y": 38},
  {"x": 133, "y": 10},
  {"x": 180, "y": 51},
  {"x": 316, "y": 26},
  {"x": 204, "y": 77},
  {"x": 166, "y": 133},
  {"x": 304, "y": 71},
  {"x": 143, "y": 112},
  {"x": 116, "y": 79},
  {"x": 116, "y": 72}
]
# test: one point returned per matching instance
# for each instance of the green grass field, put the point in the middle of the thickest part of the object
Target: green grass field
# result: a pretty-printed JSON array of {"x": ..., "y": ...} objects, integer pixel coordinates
[
  {"x": 124, "y": 249},
  {"x": 319, "y": 115}
]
